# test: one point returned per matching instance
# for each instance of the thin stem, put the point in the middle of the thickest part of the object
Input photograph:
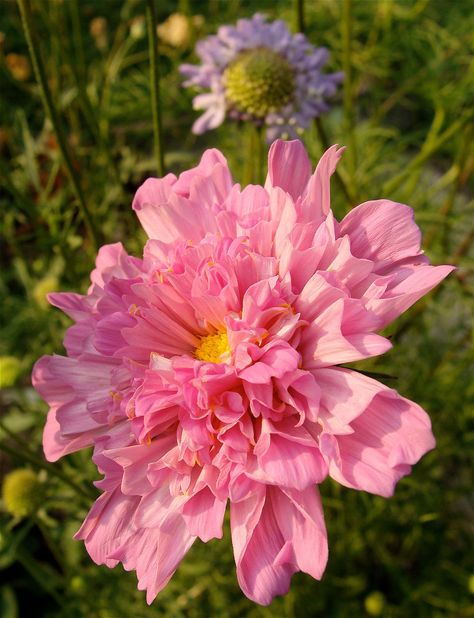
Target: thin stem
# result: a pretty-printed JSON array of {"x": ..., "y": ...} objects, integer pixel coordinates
[
  {"x": 346, "y": 35},
  {"x": 299, "y": 16},
  {"x": 254, "y": 155},
  {"x": 155, "y": 88},
  {"x": 260, "y": 153},
  {"x": 53, "y": 115},
  {"x": 78, "y": 43}
]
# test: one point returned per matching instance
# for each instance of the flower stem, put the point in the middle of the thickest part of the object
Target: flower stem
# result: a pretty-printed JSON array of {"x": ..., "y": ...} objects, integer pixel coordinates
[
  {"x": 346, "y": 36},
  {"x": 254, "y": 155},
  {"x": 155, "y": 88},
  {"x": 260, "y": 154},
  {"x": 53, "y": 115},
  {"x": 299, "y": 16}
]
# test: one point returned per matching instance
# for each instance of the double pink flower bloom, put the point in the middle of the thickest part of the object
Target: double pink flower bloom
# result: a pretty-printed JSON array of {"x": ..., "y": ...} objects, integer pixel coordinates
[{"x": 207, "y": 371}]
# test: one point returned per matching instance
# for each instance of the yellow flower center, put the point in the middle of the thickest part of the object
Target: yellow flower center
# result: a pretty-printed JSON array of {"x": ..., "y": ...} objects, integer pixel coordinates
[{"x": 213, "y": 348}]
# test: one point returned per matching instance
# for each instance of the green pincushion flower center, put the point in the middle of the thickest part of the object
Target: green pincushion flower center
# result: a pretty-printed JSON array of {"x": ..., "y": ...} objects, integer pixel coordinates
[
  {"x": 22, "y": 492},
  {"x": 259, "y": 81}
]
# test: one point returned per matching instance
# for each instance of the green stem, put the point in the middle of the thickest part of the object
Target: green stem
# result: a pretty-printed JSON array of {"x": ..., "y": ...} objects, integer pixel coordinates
[
  {"x": 299, "y": 16},
  {"x": 53, "y": 115},
  {"x": 253, "y": 155},
  {"x": 155, "y": 88},
  {"x": 260, "y": 154},
  {"x": 348, "y": 103},
  {"x": 77, "y": 40}
]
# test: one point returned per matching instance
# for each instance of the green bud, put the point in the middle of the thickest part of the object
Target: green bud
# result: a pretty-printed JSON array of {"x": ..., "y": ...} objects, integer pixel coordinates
[
  {"x": 258, "y": 82},
  {"x": 22, "y": 492},
  {"x": 78, "y": 584},
  {"x": 42, "y": 288},
  {"x": 374, "y": 603},
  {"x": 470, "y": 584},
  {"x": 10, "y": 369}
]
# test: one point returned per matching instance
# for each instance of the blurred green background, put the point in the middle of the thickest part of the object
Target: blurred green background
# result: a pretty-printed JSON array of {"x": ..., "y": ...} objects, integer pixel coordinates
[{"x": 406, "y": 114}]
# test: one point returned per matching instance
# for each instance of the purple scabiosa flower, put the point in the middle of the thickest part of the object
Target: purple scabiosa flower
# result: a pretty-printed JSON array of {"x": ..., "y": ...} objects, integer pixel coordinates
[{"x": 258, "y": 71}]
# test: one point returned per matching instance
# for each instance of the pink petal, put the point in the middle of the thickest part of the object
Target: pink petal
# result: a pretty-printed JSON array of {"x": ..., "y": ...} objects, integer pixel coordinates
[
  {"x": 345, "y": 394},
  {"x": 154, "y": 191},
  {"x": 392, "y": 434},
  {"x": 317, "y": 197},
  {"x": 209, "y": 160},
  {"x": 275, "y": 534},
  {"x": 342, "y": 334},
  {"x": 50, "y": 379},
  {"x": 155, "y": 553},
  {"x": 399, "y": 298},
  {"x": 107, "y": 525},
  {"x": 204, "y": 514},
  {"x": 76, "y": 306},
  {"x": 287, "y": 456},
  {"x": 288, "y": 167}
]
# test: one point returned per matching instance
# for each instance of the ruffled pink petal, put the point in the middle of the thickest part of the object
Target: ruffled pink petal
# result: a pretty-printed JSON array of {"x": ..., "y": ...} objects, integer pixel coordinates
[
  {"x": 274, "y": 534},
  {"x": 108, "y": 525},
  {"x": 57, "y": 391},
  {"x": 390, "y": 436},
  {"x": 113, "y": 261},
  {"x": 134, "y": 461},
  {"x": 155, "y": 554},
  {"x": 287, "y": 456},
  {"x": 382, "y": 231}
]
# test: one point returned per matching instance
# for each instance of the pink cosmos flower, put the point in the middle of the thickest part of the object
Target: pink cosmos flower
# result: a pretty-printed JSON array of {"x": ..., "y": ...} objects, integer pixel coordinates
[{"x": 209, "y": 372}]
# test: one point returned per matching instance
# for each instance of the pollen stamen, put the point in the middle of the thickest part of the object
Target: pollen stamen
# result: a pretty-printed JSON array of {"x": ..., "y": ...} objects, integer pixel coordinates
[{"x": 213, "y": 348}]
